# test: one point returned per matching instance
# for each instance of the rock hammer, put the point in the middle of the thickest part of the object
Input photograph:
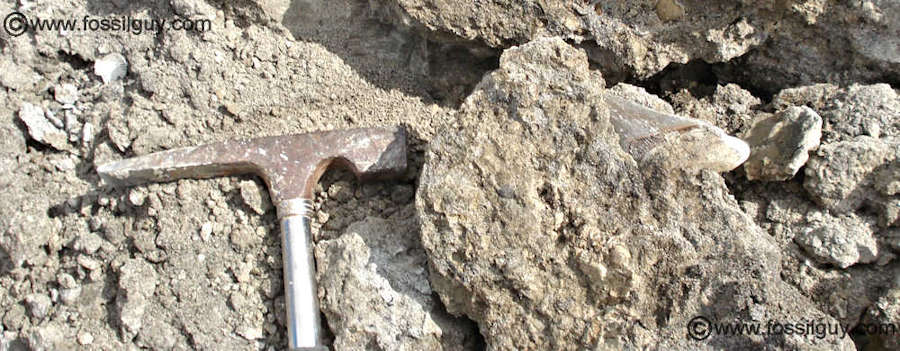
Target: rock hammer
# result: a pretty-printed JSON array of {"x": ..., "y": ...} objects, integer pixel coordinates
[{"x": 291, "y": 166}]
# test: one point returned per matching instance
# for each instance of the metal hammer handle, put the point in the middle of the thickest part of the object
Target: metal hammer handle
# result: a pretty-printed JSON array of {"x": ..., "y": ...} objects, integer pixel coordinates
[{"x": 301, "y": 299}]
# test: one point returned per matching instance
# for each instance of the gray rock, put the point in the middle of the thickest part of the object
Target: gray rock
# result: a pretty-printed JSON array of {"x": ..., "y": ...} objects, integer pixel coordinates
[
  {"x": 157, "y": 335},
  {"x": 50, "y": 337},
  {"x": 840, "y": 241},
  {"x": 255, "y": 196},
  {"x": 69, "y": 290},
  {"x": 780, "y": 144},
  {"x": 40, "y": 129},
  {"x": 543, "y": 230},
  {"x": 376, "y": 293},
  {"x": 85, "y": 339},
  {"x": 872, "y": 110},
  {"x": 66, "y": 94},
  {"x": 361, "y": 306},
  {"x": 30, "y": 231},
  {"x": 88, "y": 243},
  {"x": 137, "y": 282},
  {"x": 38, "y": 305},
  {"x": 730, "y": 108},
  {"x": 641, "y": 38},
  {"x": 842, "y": 176}
]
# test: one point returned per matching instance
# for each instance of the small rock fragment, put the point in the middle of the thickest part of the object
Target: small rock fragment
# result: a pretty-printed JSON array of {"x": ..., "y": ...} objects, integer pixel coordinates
[
  {"x": 780, "y": 144},
  {"x": 66, "y": 94},
  {"x": 39, "y": 128},
  {"x": 250, "y": 333},
  {"x": 841, "y": 176},
  {"x": 47, "y": 337},
  {"x": 842, "y": 241},
  {"x": 362, "y": 306},
  {"x": 85, "y": 338},
  {"x": 64, "y": 164},
  {"x": 157, "y": 335},
  {"x": 669, "y": 10},
  {"x": 70, "y": 296},
  {"x": 88, "y": 243},
  {"x": 137, "y": 197},
  {"x": 88, "y": 263},
  {"x": 255, "y": 197},
  {"x": 206, "y": 230},
  {"x": 70, "y": 290},
  {"x": 38, "y": 305},
  {"x": 887, "y": 180},
  {"x": 87, "y": 134},
  {"x": 111, "y": 67},
  {"x": 137, "y": 282}
]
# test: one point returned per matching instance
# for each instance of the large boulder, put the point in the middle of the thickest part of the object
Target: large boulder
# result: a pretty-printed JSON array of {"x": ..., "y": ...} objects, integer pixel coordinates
[{"x": 542, "y": 229}]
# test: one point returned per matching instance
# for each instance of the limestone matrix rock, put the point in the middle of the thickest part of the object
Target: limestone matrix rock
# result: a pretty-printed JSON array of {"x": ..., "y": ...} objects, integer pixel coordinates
[
  {"x": 780, "y": 144},
  {"x": 137, "y": 281},
  {"x": 540, "y": 228},
  {"x": 841, "y": 241},
  {"x": 375, "y": 290},
  {"x": 779, "y": 43}
]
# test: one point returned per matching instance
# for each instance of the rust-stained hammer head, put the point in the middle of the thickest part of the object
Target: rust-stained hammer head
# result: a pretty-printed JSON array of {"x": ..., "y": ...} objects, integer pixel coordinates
[{"x": 291, "y": 166}]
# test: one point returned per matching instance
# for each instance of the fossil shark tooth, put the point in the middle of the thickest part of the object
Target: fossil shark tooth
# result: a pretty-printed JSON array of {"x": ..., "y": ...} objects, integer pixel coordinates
[{"x": 701, "y": 145}]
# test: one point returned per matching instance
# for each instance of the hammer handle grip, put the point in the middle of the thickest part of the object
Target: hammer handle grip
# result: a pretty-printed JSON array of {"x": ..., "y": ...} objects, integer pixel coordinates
[{"x": 301, "y": 298}]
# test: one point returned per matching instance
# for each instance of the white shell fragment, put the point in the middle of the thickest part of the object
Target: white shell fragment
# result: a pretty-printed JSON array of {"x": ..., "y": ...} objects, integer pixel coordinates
[{"x": 111, "y": 67}]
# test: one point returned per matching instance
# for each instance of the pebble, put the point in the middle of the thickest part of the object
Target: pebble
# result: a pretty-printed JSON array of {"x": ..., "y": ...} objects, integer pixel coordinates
[
  {"x": 839, "y": 244},
  {"x": 38, "y": 305},
  {"x": 88, "y": 243},
  {"x": 111, "y": 67},
  {"x": 39, "y": 127},
  {"x": 66, "y": 281},
  {"x": 85, "y": 338},
  {"x": 65, "y": 164},
  {"x": 66, "y": 94},
  {"x": 250, "y": 333},
  {"x": 96, "y": 223},
  {"x": 88, "y": 263},
  {"x": 255, "y": 197},
  {"x": 780, "y": 144},
  {"x": 51, "y": 116},
  {"x": 70, "y": 296},
  {"x": 87, "y": 134},
  {"x": 205, "y": 231},
  {"x": 137, "y": 197},
  {"x": 72, "y": 124}
]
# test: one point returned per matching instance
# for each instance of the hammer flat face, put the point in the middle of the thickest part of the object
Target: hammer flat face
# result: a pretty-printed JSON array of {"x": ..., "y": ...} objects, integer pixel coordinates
[{"x": 290, "y": 164}]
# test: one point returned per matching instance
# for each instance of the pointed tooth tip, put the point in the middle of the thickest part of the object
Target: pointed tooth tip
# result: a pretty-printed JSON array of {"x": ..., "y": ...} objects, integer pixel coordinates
[{"x": 740, "y": 148}]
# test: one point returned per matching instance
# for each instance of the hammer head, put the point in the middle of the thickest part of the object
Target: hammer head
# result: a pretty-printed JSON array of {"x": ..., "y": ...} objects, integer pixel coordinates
[{"x": 290, "y": 164}]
